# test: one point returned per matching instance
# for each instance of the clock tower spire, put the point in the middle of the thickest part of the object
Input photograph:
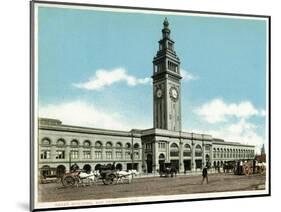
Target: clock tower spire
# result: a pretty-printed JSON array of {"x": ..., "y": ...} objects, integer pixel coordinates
[{"x": 166, "y": 84}]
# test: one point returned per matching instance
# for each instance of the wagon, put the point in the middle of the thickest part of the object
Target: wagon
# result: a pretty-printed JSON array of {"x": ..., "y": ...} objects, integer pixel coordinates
[
  {"x": 168, "y": 170},
  {"x": 108, "y": 176},
  {"x": 249, "y": 167},
  {"x": 70, "y": 178}
]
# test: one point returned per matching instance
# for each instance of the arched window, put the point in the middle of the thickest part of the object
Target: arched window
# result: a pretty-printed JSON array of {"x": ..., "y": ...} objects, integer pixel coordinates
[
  {"x": 98, "y": 144},
  {"x": 174, "y": 150},
  {"x": 128, "y": 145},
  {"x": 214, "y": 153},
  {"x": 198, "y": 151},
  {"x": 61, "y": 142},
  {"x": 187, "y": 150},
  {"x": 218, "y": 153},
  {"x": 74, "y": 143},
  {"x": 87, "y": 143},
  {"x": 108, "y": 144},
  {"x": 221, "y": 153},
  {"x": 118, "y": 145},
  {"x": 46, "y": 142},
  {"x": 161, "y": 156}
]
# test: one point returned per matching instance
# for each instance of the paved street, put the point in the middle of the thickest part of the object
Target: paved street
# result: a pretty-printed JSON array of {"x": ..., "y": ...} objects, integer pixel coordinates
[{"x": 152, "y": 186}]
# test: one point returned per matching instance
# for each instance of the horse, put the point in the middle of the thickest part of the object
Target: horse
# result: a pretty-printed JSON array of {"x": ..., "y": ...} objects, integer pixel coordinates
[
  {"x": 88, "y": 178},
  {"x": 128, "y": 175}
]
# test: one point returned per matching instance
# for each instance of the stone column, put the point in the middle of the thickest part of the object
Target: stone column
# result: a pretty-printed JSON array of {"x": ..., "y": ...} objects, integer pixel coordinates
[
  {"x": 203, "y": 156},
  {"x": 156, "y": 159},
  {"x": 103, "y": 153},
  {"x": 142, "y": 164},
  {"x": 53, "y": 153},
  {"x": 181, "y": 158},
  {"x": 67, "y": 153},
  {"x": 193, "y": 166},
  {"x": 80, "y": 153}
]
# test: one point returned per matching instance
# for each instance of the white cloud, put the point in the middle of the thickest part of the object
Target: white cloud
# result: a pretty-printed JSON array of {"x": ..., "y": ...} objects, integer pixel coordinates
[
  {"x": 217, "y": 110},
  {"x": 262, "y": 112},
  {"x": 230, "y": 121},
  {"x": 105, "y": 78},
  {"x": 241, "y": 131},
  {"x": 187, "y": 75},
  {"x": 81, "y": 113}
]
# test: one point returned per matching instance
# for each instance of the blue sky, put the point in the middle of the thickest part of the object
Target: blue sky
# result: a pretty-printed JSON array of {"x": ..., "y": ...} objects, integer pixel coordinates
[{"x": 95, "y": 68}]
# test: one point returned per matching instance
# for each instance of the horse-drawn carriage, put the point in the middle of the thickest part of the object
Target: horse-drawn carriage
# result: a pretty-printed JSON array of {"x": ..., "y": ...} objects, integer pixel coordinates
[
  {"x": 228, "y": 166},
  {"x": 249, "y": 167},
  {"x": 106, "y": 173},
  {"x": 168, "y": 170}
]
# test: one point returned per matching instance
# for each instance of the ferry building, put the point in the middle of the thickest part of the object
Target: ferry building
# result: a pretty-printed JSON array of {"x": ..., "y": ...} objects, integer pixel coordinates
[{"x": 147, "y": 150}]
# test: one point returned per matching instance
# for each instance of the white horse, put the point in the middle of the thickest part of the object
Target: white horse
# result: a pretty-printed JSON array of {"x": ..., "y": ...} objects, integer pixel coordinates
[
  {"x": 88, "y": 178},
  {"x": 126, "y": 175}
]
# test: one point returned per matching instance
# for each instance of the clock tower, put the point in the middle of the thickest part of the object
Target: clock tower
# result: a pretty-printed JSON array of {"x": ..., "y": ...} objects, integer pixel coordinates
[{"x": 166, "y": 84}]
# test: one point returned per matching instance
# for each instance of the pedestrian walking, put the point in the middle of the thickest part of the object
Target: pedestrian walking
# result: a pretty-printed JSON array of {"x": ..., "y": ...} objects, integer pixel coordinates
[{"x": 205, "y": 174}]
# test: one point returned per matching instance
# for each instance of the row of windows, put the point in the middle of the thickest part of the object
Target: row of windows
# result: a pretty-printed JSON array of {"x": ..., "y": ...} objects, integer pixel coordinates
[
  {"x": 87, "y": 143},
  {"x": 231, "y": 150},
  {"x": 60, "y": 154},
  {"x": 160, "y": 67},
  {"x": 233, "y": 155},
  {"x": 175, "y": 149},
  {"x": 172, "y": 67}
]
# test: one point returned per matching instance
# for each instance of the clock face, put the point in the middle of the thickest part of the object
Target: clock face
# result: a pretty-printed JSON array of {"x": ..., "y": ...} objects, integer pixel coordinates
[
  {"x": 174, "y": 93},
  {"x": 159, "y": 93}
]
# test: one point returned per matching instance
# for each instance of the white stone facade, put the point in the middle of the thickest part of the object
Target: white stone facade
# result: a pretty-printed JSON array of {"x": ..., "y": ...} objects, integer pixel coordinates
[{"x": 61, "y": 146}]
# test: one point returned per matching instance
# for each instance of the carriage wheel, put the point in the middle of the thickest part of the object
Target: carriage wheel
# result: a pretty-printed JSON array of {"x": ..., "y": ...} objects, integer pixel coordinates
[
  {"x": 68, "y": 181},
  {"x": 109, "y": 179}
]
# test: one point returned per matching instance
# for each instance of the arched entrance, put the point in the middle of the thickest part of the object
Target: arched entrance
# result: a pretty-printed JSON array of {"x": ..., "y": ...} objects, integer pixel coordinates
[
  {"x": 87, "y": 168},
  {"x": 98, "y": 167},
  {"x": 74, "y": 167},
  {"x": 60, "y": 171},
  {"x": 161, "y": 162},
  {"x": 149, "y": 163},
  {"x": 45, "y": 171},
  {"x": 119, "y": 166}
]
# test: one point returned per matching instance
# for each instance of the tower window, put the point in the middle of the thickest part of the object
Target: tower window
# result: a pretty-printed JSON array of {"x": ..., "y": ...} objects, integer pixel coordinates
[
  {"x": 170, "y": 46},
  {"x": 160, "y": 67},
  {"x": 172, "y": 66},
  {"x": 155, "y": 68}
]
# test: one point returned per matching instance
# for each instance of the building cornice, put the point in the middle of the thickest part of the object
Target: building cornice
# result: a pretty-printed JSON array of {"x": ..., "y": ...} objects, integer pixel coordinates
[{"x": 86, "y": 130}]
